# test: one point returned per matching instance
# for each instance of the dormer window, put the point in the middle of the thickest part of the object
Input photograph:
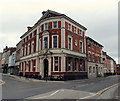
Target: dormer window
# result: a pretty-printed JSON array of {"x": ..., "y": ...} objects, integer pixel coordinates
[{"x": 55, "y": 24}]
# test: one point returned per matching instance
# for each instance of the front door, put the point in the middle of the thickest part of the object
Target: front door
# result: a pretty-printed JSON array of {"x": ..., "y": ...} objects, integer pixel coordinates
[
  {"x": 97, "y": 71},
  {"x": 45, "y": 68}
]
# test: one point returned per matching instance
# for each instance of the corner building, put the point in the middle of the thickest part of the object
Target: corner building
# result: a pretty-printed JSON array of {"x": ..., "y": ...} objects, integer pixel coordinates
[{"x": 54, "y": 47}]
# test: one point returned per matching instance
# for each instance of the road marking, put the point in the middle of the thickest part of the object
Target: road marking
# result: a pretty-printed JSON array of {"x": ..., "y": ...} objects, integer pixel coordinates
[
  {"x": 49, "y": 95},
  {"x": 101, "y": 91},
  {"x": 88, "y": 96},
  {"x": 3, "y": 82}
]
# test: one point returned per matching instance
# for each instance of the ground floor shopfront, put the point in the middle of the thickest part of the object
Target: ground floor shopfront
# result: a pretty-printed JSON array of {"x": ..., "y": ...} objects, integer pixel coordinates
[
  {"x": 55, "y": 66},
  {"x": 95, "y": 69}
]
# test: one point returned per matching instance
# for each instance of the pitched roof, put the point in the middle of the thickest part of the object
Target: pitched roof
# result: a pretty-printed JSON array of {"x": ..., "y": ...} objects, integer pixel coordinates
[
  {"x": 50, "y": 13},
  {"x": 87, "y": 37}
]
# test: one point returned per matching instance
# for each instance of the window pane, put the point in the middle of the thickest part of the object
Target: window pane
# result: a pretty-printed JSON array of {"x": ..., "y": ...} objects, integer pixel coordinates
[
  {"x": 46, "y": 42},
  {"x": 69, "y": 43},
  {"x": 54, "y": 41},
  {"x": 54, "y": 24},
  {"x": 69, "y": 26},
  {"x": 80, "y": 46},
  {"x": 90, "y": 69},
  {"x": 76, "y": 65},
  {"x": 46, "y": 26},
  {"x": 69, "y": 65},
  {"x": 55, "y": 63},
  {"x": 81, "y": 67}
]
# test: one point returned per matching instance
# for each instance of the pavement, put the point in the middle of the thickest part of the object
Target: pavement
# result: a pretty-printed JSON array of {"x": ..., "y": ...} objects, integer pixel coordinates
[{"x": 29, "y": 79}]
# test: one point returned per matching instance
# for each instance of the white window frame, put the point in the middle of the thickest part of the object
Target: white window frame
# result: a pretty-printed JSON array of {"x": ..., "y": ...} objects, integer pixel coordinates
[
  {"x": 54, "y": 63},
  {"x": 25, "y": 50},
  {"x": 40, "y": 29},
  {"x": 28, "y": 48},
  {"x": 80, "y": 32},
  {"x": 53, "y": 25},
  {"x": 82, "y": 45},
  {"x": 75, "y": 29},
  {"x": 43, "y": 41},
  {"x": 76, "y": 61},
  {"x": 32, "y": 47},
  {"x": 39, "y": 44},
  {"x": 71, "y": 63},
  {"x": 89, "y": 69},
  {"x": 69, "y": 27},
  {"x": 94, "y": 70},
  {"x": 52, "y": 41},
  {"x": 45, "y": 27},
  {"x": 22, "y": 51},
  {"x": 71, "y": 42}
]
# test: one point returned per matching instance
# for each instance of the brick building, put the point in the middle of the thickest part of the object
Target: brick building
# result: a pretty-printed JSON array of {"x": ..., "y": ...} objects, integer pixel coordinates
[
  {"x": 109, "y": 64},
  {"x": 54, "y": 47},
  {"x": 7, "y": 51},
  {"x": 94, "y": 58},
  {"x": 118, "y": 69},
  {"x": 18, "y": 55}
]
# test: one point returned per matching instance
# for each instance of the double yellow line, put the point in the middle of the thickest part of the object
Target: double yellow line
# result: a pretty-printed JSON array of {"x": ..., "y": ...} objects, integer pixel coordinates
[{"x": 103, "y": 90}]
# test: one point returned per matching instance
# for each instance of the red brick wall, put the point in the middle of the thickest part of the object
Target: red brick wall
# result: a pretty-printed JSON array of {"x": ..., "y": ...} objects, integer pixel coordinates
[
  {"x": 94, "y": 50},
  {"x": 74, "y": 37}
]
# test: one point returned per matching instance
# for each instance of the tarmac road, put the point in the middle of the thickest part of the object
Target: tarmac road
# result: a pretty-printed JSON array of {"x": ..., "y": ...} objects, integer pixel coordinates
[{"x": 78, "y": 89}]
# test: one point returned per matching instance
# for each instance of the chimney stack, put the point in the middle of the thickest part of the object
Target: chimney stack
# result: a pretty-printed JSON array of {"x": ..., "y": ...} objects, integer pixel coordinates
[
  {"x": 43, "y": 12},
  {"x": 29, "y": 28}
]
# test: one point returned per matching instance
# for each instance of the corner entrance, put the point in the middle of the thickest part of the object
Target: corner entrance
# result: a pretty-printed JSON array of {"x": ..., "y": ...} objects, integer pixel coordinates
[{"x": 45, "y": 68}]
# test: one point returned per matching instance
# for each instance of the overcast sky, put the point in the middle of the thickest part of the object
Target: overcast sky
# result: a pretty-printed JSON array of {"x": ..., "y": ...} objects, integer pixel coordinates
[{"x": 100, "y": 17}]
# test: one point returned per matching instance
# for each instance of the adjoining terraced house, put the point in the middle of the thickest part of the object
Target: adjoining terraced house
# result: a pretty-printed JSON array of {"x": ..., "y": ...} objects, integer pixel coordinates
[
  {"x": 94, "y": 58},
  {"x": 54, "y": 47}
]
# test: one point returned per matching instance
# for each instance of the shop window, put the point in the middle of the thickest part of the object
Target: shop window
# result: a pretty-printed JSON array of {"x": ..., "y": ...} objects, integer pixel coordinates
[{"x": 56, "y": 63}]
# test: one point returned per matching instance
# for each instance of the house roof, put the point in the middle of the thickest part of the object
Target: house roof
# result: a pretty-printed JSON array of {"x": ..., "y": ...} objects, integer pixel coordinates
[
  {"x": 94, "y": 41},
  {"x": 49, "y": 14}
]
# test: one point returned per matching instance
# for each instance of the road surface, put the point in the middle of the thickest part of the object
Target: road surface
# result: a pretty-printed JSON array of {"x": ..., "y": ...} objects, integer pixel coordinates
[{"x": 78, "y": 89}]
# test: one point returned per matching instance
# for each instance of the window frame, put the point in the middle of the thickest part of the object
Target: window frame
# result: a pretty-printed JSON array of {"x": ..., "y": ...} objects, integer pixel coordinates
[
  {"x": 76, "y": 65},
  {"x": 69, "y": 26},
  {"x": 43, "y": 42},
  {"x": 46, "y": 28},
  {"x": 94, "y": 70},
  {"x": 90, "y": 69},
  {"x": 54, "y": 63},
  {"x": 71, "y": 42},
  {"x": 81, "y": 50},
  {"x": 69, "y": 60},
  {"x": 53, "y": 41},
  {"x": 75, "y": 30},
  {"x": 53, "y": 25}
]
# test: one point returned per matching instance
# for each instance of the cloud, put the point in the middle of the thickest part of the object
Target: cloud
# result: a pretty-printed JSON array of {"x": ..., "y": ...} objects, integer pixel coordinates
[{"x": 99, "y": 16}]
